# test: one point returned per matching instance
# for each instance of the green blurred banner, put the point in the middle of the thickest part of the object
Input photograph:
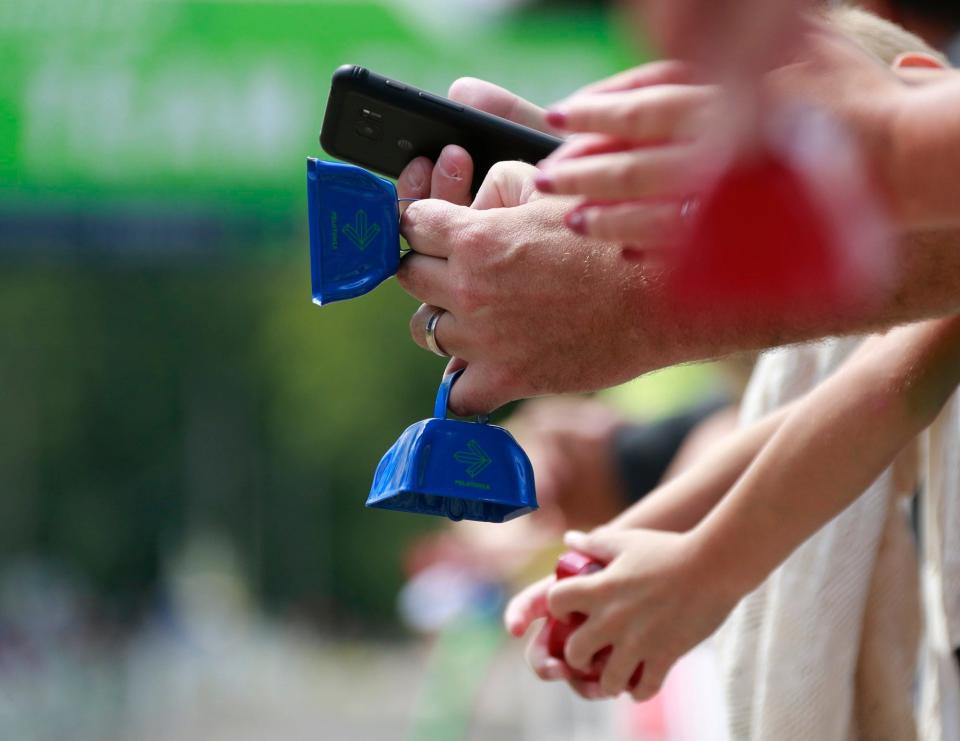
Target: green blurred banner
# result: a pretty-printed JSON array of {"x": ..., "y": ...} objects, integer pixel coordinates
[{"x": 163, "y": 102}]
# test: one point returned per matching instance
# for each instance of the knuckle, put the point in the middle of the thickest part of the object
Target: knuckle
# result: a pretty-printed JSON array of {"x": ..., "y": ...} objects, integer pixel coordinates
[
  {"x": 421, "y": 218},
  {"x": 467, "y": 294},
  {"x": 416, "y": 329},
  {"x": 556, "y": 601},
  {"x": 473, "y": 236},
  {"x": 583, "y": 115},
  {"x": 616, "y": 615},
  {"x": 485, "y": 336},
  {"x": 576, "y": 655},
  {"x": 613, "y": 680},
  {"x": 499, "y": 171},
  {"x": 604, "y": 591},
  {"x": 561, "y": 598},
  {"x": 411, "y": 217}
]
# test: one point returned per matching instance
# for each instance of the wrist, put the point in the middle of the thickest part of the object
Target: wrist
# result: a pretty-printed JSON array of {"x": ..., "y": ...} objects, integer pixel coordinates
[{"x": 725, "y": 560}]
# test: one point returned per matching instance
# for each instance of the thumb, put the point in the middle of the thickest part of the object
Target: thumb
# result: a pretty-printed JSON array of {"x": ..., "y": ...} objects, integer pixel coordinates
[
  {"x": 507, "y": 184},
  {"x": 603, "y": 544}
]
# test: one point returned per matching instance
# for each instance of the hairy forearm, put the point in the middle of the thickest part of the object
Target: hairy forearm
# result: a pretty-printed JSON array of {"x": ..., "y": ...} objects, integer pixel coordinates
[
  {"x": 684, "y": 501},
  {"x": 830, "y": 448},
  {"x": 927, "y": 285}
]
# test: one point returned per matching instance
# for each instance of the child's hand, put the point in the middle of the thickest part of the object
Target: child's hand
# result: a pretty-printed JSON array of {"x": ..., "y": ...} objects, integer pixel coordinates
[
  {"x": 523, "y": 610},
  {"x": 527, "y": 606},
  {"x": 656, "y": 600}
]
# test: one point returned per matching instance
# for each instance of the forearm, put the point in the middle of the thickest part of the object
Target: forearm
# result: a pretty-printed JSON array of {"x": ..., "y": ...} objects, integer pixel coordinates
[
  {"x": 925, "y": 166},
  {"x": 830, "y": 449},
  {"x": 926, "y": 286},
  {"x": 684, "y": 501}
]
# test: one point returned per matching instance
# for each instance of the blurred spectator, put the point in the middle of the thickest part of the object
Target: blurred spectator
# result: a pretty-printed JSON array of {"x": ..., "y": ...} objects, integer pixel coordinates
[{"x": 935, "y": 21}]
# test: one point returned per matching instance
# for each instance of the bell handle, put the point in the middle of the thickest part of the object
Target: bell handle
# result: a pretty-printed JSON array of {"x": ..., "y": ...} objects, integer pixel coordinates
[
  {"x": 443, "y": 393},
  {"x": 442, "y": 405}
]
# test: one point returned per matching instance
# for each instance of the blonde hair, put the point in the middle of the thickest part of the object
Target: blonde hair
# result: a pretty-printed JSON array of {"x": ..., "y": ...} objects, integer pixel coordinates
[{"x": 880, "y": 38}]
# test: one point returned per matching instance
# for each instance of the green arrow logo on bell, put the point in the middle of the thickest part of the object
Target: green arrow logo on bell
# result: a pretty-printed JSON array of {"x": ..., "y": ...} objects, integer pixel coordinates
[
  {"x": 474, "y": 457},
  {"x": 361, "y": 232}
]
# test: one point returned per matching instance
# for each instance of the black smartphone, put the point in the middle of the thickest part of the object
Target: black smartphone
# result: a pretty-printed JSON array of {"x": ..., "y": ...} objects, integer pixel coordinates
[{"x": 382, "y": 124}]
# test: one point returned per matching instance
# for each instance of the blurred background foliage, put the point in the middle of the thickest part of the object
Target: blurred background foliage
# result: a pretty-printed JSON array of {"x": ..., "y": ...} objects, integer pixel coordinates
[{"x": 163, "y": 374}]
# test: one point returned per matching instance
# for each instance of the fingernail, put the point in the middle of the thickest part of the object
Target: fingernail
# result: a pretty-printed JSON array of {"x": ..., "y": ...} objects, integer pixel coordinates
[
  {"x": 557, "y": 117},
  {"x": 449, "y": 172},
  {"x": 575, "y": 222},
  {"x": 544, "y": 183},
  {"x": 417, "y": 176}
]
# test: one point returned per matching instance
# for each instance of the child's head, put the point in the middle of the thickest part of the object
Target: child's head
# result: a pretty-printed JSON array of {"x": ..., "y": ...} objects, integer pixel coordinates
[{"x": 889, "y": 42}]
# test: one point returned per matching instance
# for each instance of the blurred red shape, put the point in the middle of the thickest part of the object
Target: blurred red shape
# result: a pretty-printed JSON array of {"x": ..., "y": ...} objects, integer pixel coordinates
[{"x": 790, "y": 226}]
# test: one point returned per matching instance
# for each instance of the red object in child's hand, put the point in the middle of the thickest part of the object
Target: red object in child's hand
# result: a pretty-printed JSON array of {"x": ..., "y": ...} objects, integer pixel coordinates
[{"x": 576, "y": 564}]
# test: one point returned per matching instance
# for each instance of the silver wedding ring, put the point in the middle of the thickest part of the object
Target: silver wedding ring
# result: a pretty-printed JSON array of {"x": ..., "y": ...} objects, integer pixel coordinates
[{"x": 431, "y": 333}]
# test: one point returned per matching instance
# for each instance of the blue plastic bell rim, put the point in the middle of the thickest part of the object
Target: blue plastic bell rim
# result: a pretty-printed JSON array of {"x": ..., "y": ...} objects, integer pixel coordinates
[
  {"x": 465, "y": 504},
  {"x": 345, "y": 264}
]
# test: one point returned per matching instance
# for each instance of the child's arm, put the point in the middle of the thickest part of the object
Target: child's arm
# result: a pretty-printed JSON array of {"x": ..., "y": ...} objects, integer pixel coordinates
[
  {"x": 682, "y": 502},
  {"x": 831, "y": 450},
  {"x": 676, "y": 506},
  {"x": 663, "y": 593}
]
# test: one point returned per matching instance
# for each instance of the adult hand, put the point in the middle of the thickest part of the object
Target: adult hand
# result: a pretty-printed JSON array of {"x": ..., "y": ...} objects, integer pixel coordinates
[
  {"x": 656, "y": 599},
  {"x": 645, "y": 156},
  {"x": 649, "y": 150},
  {"x": 529, "y": 307},
  {"x": 449, "y": 179}
]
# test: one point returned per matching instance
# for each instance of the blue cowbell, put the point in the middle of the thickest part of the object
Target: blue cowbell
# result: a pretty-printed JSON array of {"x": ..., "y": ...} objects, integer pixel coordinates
[
  {"x": 456, "y": 469},
  {"x": 354, "y": 230}
]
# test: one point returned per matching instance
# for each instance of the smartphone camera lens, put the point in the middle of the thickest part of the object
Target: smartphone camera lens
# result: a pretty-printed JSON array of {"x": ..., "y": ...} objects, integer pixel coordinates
[{"x": 368, "y": 124}]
